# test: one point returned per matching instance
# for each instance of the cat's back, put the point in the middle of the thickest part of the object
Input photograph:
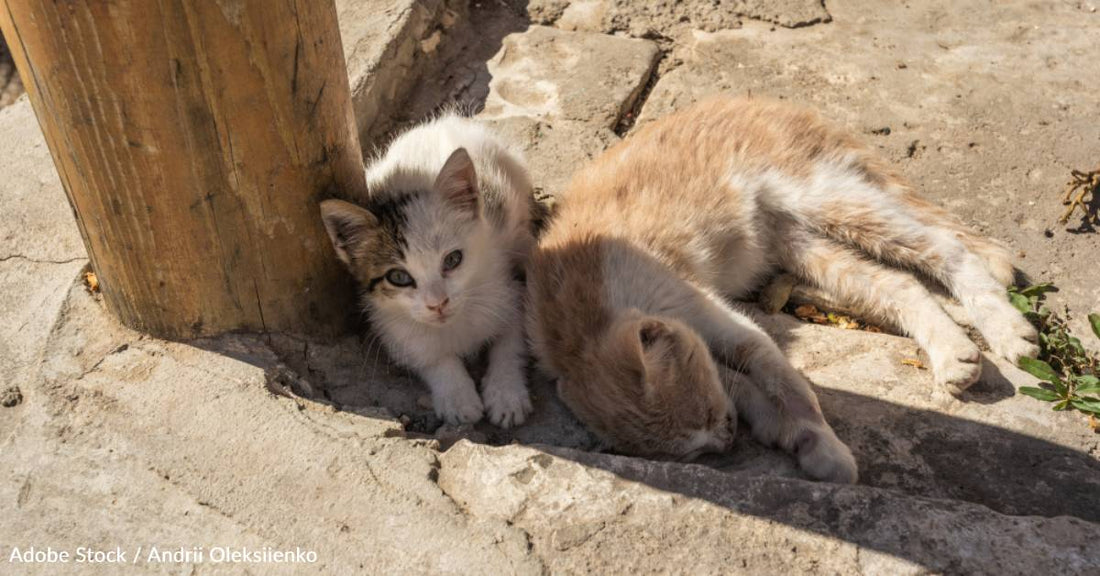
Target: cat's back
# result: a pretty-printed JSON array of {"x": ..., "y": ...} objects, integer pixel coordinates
[
  {"x": 679, "y": 160},
  {"x": 691, "y": 192},
  {"x": 671, "y": 189}
]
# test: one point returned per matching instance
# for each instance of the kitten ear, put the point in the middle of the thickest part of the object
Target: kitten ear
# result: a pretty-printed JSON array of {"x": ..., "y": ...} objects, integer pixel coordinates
[
  {"x": 651, "y": 331},
  {"x": 653, "y": 355},
  {"x": 457, "y": 181},
  {"x": 348, "y": 227}
]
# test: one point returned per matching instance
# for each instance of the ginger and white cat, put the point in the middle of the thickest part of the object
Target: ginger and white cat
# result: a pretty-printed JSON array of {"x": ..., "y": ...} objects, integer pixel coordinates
[
  {"x": 628, "y": 287},
  {"x": 436, "y": 248}
]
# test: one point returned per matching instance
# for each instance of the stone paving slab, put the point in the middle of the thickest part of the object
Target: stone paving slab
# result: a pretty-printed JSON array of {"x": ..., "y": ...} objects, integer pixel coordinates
[
  {"x": 549, "y": 74},
  {"x": 388, "y": 46},
  {"x": 357, "y": 486},
  {"x": 561, "y": 95},
  {"x": 655, "y": 19},
  {"x": 624, "y": 511},
  {"x": 37, "y": 223}
]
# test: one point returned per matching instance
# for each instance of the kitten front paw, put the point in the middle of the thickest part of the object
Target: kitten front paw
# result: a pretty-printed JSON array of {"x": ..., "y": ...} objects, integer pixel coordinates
[
  {"x": 460, "y": 405},
  {"x": 824, "y": 457},
  {"x": 506, "y": 400}
]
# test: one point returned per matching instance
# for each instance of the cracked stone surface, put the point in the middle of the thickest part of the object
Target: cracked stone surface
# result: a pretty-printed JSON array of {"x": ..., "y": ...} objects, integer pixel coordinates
[
  {"x": 560, "y": 95},
  {"x": 582, "y": 506},
  {"x": 273, "y": 440},
  {"x": 553, "y": 75},
  {"x": 41, "y": 253},
  {"x": 37, "y": 223},
  {"x": 388, "y": 45},
  {"x": 656, "y": 19}
]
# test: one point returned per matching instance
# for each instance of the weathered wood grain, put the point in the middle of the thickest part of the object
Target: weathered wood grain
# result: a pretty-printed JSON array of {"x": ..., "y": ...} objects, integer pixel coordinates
[{"x": 194, "y": 139}]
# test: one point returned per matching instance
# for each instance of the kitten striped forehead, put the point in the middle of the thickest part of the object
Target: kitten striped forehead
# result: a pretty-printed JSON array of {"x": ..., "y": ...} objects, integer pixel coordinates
[{"x": 391, "y": 210}]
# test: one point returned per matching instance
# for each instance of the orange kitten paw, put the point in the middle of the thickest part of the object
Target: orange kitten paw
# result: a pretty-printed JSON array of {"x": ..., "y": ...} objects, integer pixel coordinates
[
  {"x": 1012, "y": 349},
  {"x": 1013, "y": 337},
  {"x": 824, "y": 457},
  {"x": 1020, "y": 348},
  {"x": 956, "y": 365}
]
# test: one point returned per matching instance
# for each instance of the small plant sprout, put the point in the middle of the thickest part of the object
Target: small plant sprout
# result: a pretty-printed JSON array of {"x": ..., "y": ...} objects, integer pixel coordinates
[{"x": 1068, "y": 370}]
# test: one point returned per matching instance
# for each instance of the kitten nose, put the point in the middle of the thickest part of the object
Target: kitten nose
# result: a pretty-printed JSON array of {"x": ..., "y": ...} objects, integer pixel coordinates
[{"x": 438, "y": 308}]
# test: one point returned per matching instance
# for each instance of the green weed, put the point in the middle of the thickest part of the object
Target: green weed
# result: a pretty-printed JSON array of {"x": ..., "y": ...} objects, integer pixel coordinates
[{"x": 1069, "y": 371}]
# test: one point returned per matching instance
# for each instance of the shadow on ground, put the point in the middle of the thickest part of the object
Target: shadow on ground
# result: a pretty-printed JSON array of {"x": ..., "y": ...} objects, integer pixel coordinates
[
  {"x": 902, "y": 450},
  {"x": 914, "y": 451}
]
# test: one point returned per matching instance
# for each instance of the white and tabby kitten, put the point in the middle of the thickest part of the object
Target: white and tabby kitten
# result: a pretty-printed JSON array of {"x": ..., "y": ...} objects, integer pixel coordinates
[{"x": 436, "y": 248}]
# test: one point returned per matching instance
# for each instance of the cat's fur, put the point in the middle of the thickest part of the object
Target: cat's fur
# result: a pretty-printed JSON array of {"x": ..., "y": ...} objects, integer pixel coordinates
[
  {"x": 447, "y": 185},
  {"x": 628, "y": 287}
]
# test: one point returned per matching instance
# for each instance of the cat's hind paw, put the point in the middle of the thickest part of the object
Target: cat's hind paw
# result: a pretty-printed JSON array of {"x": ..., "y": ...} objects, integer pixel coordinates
[
  {"x": 1013, "y": 337},
  {"x": 460, "y": 405},
  {"x": 1012, "y": 348},
  {"x": 957, "y": 366},
  {"x": 506, "y": 401}
]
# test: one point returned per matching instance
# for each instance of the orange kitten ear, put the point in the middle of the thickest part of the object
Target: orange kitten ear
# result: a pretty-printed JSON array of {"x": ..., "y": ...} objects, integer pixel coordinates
[
  {"x": 652, "y": 331},
  {"x": 457, "y": 181},
  {"x": 348, "y": 227}
]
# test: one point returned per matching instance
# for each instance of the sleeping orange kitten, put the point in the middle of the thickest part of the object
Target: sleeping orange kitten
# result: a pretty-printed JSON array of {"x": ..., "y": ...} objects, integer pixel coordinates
[{"x": 628, "y": 287}]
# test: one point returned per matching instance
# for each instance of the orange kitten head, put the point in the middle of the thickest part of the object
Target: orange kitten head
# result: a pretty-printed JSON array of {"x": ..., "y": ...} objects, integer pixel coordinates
[{"x": 651, "y": 387}]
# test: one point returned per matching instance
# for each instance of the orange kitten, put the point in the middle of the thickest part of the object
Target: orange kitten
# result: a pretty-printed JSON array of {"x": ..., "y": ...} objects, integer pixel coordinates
[{"x": 628, "y": 287}]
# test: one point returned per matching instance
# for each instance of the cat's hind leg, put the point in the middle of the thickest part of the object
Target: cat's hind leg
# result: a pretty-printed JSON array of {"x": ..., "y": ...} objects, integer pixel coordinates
[
  {"x": 887, "y": 295},
  {"x": 781, "y": 407},
  {"x": 894, "y": 225},
  {"x": 996, "y": 257}
]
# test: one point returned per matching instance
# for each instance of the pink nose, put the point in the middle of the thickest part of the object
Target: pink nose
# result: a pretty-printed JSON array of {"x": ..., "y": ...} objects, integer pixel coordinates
[{"x": 438, "y": 308}]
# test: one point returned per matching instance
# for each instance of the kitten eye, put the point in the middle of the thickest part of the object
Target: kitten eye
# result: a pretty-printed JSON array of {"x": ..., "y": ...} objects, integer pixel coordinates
[
  {"x": 399, "y": 278},
  {"x": 452, "y": 260}
]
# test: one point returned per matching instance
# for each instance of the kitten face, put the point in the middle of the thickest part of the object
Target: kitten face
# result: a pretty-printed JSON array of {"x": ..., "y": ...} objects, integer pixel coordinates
[
  {"x": 666, "y": 397},
  {"x": 417, "y": 255},
  {"x": 443, "y": 253}
]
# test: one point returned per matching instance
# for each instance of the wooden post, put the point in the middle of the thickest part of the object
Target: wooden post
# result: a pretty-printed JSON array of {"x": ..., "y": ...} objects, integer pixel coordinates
[{"x": 195, "y": 139}]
